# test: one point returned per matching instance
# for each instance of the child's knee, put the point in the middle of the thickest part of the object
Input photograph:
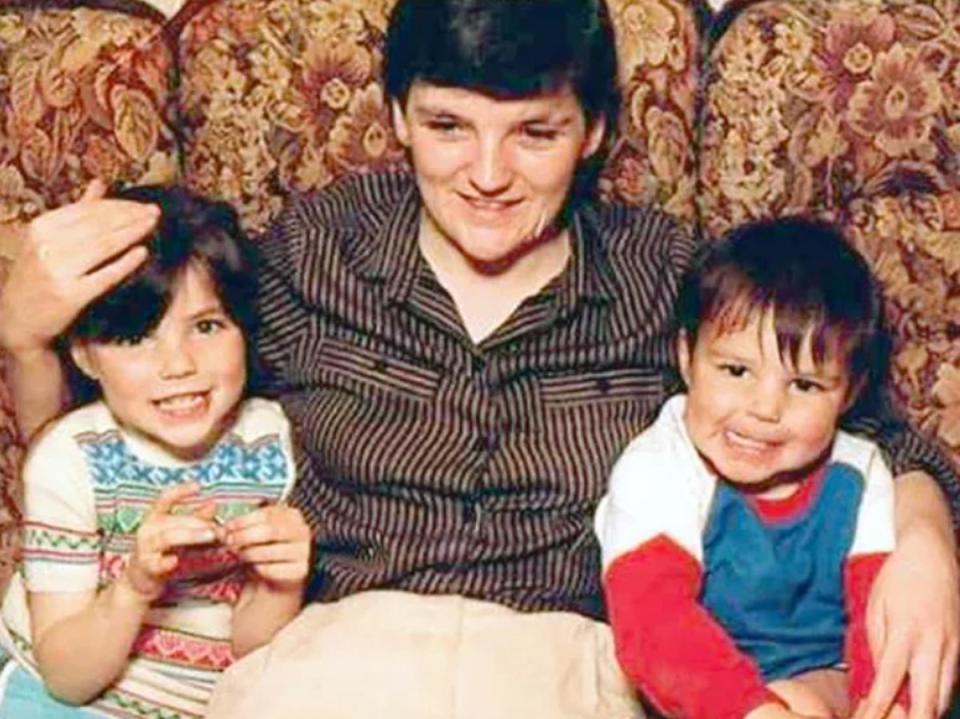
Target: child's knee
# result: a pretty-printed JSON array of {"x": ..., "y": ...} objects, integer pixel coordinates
[{"x": 801, "y": 698}]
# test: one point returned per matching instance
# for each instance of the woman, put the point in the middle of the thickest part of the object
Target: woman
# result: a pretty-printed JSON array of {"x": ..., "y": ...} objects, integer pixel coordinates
[{"x": 464, "y": 352}]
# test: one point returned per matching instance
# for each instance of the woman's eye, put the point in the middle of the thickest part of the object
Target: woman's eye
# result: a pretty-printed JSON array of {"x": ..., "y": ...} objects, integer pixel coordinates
[
  {"x": 444, "y": 126},
  {"x": 540, "y": 133}
]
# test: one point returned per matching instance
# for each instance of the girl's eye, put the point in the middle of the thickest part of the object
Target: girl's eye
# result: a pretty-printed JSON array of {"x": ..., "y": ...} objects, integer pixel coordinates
[
  {"x": 132, "y": 341},
  {"x": 734, "y": 370},
  {"x": 209, "y": 326}
]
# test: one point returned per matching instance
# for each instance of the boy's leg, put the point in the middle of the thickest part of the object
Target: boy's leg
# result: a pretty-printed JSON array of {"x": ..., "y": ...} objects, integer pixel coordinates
[{"x": 820, "y": 693}]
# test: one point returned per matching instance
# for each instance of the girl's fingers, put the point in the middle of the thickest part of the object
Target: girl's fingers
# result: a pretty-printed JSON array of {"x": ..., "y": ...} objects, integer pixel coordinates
[{"x": 171, "y": 496}]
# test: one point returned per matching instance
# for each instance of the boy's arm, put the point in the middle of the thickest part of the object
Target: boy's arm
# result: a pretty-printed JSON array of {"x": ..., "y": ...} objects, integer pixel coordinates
[{"x": 668, "y": 644}]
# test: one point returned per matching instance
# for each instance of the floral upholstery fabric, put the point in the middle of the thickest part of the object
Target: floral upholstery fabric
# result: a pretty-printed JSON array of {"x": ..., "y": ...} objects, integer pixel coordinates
[
  {"x": 851, "y": 110},
  {"x": 282, "y": 96},
  {"x": 652, "y": 158},
  {"x": 87, "y": 93}
]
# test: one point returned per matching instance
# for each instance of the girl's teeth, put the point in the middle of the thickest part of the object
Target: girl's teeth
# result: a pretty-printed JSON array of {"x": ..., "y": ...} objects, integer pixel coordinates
[{"x": 181, "y": 402}]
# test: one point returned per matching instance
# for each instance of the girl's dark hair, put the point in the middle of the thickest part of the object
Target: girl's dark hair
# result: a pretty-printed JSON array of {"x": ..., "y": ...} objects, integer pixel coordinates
[
  {"x": 812, "y": 281},
  {"x": 191, "y": 230},
  {"x": 508, "y": 49}
]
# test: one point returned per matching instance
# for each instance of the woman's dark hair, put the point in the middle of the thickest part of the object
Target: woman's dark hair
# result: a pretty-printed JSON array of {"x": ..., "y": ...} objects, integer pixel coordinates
[
  {"x": 191, "y": 230},
  {"x": 507, "y": 49},
  {"x": 811, "y": 280}
]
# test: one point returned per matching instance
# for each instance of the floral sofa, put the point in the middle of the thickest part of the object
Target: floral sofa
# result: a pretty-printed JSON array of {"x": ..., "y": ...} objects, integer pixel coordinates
[{"x": 846, "y": 108}]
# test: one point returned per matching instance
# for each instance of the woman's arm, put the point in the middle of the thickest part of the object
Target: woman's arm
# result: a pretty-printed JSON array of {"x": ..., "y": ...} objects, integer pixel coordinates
[
  {"x": 67, "y": 257},
  {"x": 913, "y": 616}
]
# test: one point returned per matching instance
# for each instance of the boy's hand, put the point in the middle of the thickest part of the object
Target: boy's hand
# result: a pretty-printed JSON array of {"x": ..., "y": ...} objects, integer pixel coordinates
[
  {"x": 161, "y": 532},
  {"x": 275, "y": 541}
]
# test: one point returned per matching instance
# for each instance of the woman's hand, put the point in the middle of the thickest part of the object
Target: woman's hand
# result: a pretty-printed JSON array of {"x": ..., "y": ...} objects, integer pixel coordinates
[
  {"x": 913, "y": 619},
  {"x": 69, "y": 256}
]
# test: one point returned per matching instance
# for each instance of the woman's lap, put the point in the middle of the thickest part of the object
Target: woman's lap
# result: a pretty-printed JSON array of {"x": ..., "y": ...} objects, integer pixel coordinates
[{"x": 405, "y": 655}]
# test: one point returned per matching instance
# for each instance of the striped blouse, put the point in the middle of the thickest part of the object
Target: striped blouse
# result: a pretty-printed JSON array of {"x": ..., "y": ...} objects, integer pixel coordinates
[{"x": 435, "y": 465}]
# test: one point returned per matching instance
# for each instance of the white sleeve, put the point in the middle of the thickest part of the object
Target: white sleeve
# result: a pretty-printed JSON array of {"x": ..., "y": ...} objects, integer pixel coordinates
[
  {"x": 652, "y": 491},
  {"x": 875, "y": 518},
  {"x": 61, "y": 546}
]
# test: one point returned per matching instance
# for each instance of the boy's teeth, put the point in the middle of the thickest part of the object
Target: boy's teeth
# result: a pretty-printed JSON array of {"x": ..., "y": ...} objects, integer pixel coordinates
[{"x": 746, "y": 442}]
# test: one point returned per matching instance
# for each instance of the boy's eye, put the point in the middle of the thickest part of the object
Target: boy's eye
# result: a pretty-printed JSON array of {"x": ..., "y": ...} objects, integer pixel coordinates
[
  {"x": 734, "y": 370},
  {"x": 807, "y": 385}
]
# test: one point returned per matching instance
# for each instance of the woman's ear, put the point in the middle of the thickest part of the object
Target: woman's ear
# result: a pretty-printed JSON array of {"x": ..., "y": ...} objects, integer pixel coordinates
[
  {"x": 684, "y": 352},
  {"x": 80, "y": 354},
  {"x": 595, "y": 133},
  {"x": 400, "y": 127}
]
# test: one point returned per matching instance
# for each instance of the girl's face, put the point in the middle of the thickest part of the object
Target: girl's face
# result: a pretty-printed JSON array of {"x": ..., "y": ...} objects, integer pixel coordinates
[{"x": 179, "y": 385}]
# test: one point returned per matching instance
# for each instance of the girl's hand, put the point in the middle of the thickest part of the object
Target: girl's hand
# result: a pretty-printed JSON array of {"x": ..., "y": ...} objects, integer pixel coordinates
[
  {"x": 162, "y": 532},
  {"x": 275, "y": 541}
]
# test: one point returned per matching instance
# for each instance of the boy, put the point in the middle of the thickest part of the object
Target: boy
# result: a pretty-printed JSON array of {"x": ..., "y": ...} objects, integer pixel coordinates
[{"x": 742, "y": 531}]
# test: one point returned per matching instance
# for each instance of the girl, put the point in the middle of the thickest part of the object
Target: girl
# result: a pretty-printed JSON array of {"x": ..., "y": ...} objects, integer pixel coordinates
[{"x": 156, "y": 543}]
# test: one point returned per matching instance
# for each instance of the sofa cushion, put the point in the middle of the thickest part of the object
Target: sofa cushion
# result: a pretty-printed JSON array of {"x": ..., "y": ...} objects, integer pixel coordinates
[{"x": 87, "y": 94}]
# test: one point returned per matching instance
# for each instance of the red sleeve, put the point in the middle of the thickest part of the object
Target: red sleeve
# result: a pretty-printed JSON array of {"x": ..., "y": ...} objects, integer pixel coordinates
[
  {"x": 669, "y": 646},
  {"x": 859, "y": 575}
]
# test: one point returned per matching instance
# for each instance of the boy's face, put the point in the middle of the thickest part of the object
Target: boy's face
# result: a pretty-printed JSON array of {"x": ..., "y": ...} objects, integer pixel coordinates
[
  {"x": 752, "y": 415},
  {"x": 178, "y": 385}
]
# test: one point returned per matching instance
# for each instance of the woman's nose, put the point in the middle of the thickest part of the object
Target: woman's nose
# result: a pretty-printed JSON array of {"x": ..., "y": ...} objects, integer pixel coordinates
[{"x": 490, "y": 172}]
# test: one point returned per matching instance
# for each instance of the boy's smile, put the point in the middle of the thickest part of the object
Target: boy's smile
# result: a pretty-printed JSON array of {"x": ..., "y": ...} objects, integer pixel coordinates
[
  {"x": 754, "y": 416},
  {"x": 178, "y": 385}
]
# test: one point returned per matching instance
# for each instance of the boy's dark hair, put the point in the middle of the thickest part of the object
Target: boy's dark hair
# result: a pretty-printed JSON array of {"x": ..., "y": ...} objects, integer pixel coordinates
[
  {"x": 507, "y": 49},
  {"x": 810, "y": 278},
  {"x": 191, "y": 229}
]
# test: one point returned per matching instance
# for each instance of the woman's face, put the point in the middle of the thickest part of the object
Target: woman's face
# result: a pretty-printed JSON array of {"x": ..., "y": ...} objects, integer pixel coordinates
[{"x": 493, "y": 173}]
